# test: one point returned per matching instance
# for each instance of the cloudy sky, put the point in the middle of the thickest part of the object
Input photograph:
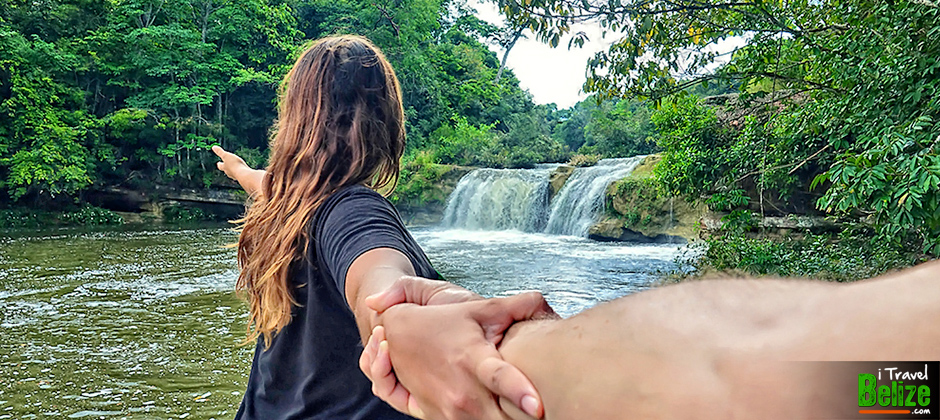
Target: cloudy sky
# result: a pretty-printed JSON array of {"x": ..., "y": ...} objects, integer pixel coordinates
[
  {"x": 556, "y": 74},
  {"x": 550, "y": 74}
]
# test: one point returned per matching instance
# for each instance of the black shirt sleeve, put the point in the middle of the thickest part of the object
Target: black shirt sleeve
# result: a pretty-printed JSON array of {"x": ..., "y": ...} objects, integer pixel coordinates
[{"x": 355, "y": 220}]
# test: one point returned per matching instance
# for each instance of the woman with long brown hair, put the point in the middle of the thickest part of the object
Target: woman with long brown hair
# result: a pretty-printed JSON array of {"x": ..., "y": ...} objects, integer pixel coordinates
[{"x": 318, "y": 239}]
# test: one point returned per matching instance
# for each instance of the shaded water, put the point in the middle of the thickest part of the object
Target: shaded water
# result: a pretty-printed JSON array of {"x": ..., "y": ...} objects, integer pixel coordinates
[
  {"x": 144, "y": 324},
  {"x": 120, "y": 324}
]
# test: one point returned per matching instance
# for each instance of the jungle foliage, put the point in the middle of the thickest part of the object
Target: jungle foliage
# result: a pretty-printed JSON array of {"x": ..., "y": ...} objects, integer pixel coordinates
[
  {"x": 844, "y": 93},
  {"x": 133, "y": 92}
]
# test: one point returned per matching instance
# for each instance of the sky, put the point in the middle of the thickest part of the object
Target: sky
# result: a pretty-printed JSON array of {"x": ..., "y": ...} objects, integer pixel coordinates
[
  {"x": 552, "y": 75},
  {"x": 555, "y": 75}
]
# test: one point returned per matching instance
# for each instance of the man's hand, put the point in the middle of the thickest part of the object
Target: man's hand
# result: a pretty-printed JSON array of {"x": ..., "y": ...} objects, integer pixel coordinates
[{"x": 446, "y": 355}]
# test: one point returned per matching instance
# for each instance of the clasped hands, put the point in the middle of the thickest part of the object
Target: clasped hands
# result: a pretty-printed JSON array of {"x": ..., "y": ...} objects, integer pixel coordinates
[{"x": 443, "y": 343}]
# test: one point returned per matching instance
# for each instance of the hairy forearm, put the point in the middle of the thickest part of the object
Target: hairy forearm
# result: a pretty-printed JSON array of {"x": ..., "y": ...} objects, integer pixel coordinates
[
  {"x": 894, "y": 317},
  {"x": 630, "y": 358},
  {"x": 722, "y": 348}
]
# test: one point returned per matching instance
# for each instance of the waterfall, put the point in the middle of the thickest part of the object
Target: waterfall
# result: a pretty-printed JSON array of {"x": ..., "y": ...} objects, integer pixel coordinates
[
  {"x": 500, "y": 199},
  {"x": 579, "y": 203}
]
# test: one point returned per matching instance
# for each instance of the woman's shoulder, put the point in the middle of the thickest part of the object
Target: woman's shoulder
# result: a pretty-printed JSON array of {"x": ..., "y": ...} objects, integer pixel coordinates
[
  {"x": 353, "y": 200},
  {"x": 355, "y": 190},
  {"x": 359, "y": 194}
]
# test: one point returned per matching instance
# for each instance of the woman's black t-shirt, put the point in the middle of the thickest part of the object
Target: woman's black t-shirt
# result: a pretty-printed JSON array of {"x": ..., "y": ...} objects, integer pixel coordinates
[{"x": 311, "y": 370}]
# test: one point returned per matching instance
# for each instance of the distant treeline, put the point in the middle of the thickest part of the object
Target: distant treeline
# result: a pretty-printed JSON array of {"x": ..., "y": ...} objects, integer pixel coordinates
[{"x": 133, "y": 92}]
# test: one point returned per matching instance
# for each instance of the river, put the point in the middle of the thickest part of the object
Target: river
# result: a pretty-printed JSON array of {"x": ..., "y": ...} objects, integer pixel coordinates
[{"x": 144, "y": 324}]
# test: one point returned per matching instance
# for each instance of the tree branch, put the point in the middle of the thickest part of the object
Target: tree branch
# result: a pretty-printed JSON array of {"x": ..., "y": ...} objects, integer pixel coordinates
[
  {"x": 797, "y": 166},
  {"x": 390, "y": 20}
]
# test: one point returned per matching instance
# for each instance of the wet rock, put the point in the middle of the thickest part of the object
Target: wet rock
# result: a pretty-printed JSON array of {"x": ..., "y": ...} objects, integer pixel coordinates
[
  {"x": 637, "y": 211},
  {"x": 558, "y": 178},
  {"x": 612, "y": 230},
  {"x": 430, "y": 210}
]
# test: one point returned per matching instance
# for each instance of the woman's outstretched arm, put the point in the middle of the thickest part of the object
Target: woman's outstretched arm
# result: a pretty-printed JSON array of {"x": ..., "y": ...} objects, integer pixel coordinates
[{"x": 236, "y": 169}]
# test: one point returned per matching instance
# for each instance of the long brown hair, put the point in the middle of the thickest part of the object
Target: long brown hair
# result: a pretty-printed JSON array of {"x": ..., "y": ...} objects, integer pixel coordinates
[{"x": 340, "y": 122}]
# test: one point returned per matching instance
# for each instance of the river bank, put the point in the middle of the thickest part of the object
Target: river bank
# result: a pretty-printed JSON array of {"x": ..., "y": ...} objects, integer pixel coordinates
[{"x": 613, "y": 200}]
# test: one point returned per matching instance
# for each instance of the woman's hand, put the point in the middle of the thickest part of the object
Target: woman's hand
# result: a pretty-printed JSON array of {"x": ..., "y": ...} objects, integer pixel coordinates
[
  {"x": 407, "y": 289},
  {"x": 235, "y": 168},
  {"x": 420, "y": 291},
  {"x": 446, "y": 354}
]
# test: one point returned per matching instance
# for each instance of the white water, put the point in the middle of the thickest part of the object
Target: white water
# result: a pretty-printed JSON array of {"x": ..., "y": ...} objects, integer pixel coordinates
[
  {"x": 500, "y": 199},
  {"x": 573, "y": 273},
  {"x": 581, "y": 200},
  {"x": 518, "y": 199}
]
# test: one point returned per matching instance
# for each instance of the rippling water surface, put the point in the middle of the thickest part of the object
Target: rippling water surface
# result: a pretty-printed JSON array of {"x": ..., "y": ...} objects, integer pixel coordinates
[
  {"x": 573, "y": 273},
  {"x": 145, "y": 325}
]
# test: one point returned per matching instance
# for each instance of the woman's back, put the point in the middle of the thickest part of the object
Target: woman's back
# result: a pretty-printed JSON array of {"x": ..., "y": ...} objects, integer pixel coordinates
[{"x": 310, "y": 370}]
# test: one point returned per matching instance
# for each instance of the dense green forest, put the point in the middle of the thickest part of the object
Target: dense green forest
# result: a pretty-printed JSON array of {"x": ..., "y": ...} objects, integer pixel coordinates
[
  {"x": 837, "y": 115},
  {"x": 131, "y": 93},
  {"x": 835, "y": 111}
]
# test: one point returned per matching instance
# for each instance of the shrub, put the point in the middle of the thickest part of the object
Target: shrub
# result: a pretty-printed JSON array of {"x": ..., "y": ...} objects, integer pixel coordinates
[
  {"x": 464, "y": 143},
  {"x": 20, "y": 218},
  {"x": 419, "y": 173},
  {"x": 92, "y": 216},
  {"x": 185, "y": 214},
  {"x": 846, "y": 257},
  {"x": 580, "y": 160}
]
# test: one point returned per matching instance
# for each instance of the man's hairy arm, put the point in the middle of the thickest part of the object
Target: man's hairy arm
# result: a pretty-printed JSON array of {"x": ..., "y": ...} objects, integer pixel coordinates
[{"x": 723, "y": 348}]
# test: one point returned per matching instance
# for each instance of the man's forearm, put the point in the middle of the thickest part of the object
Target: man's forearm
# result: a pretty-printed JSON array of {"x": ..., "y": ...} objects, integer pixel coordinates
[
  {"x": 719, "y": 349},
  {"x": 657, "y": 354}
]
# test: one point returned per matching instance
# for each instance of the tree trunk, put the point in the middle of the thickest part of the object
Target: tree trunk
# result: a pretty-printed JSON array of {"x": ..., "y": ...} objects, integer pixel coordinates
[{"x": 502, "y": 64}]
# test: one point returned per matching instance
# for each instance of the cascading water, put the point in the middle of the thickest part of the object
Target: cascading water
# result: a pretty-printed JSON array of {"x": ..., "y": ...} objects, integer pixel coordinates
[
  {"x": 500, "y": 199},
  {"x": 576, "y": 207}
]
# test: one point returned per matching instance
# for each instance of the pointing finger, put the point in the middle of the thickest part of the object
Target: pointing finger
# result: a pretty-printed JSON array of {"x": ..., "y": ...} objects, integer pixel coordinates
[{"x": 218, "y": 150}]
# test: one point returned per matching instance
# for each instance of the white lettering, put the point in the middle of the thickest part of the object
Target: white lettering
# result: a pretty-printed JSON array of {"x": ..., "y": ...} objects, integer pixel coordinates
[{"x": 905, "y": 376}]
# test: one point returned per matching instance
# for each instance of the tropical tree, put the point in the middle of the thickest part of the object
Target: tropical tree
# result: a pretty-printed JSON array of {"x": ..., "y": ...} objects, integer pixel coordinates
[
  {"x": 48, "y": 144},
  {"x": 864, "y": 73}
]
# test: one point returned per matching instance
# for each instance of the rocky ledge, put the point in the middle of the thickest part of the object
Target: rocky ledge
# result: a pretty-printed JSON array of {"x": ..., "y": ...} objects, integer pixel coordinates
[{"x": 636, "y": 212}]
